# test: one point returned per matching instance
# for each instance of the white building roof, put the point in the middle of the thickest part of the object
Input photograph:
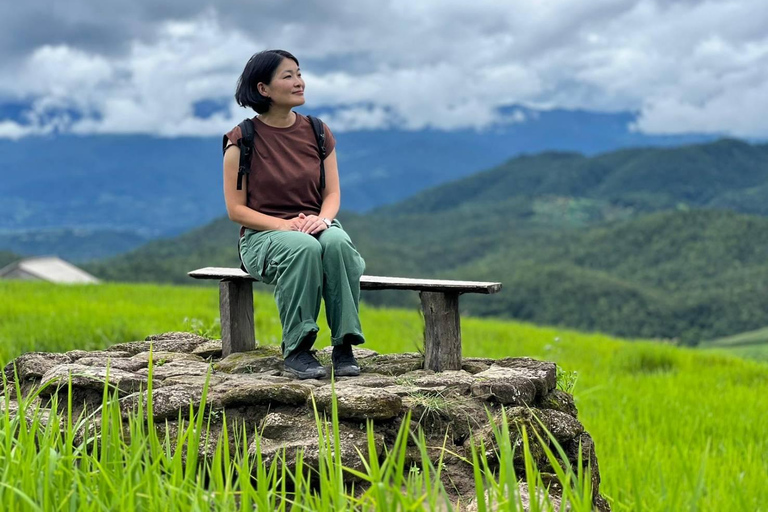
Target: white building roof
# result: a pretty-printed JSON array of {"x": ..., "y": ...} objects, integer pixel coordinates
[{"x": 48, "y": 268}]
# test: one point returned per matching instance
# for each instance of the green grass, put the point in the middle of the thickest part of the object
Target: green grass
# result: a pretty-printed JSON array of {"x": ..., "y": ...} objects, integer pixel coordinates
[
  {"x": 749, "y": 345},
  {"x": 675, "y": 429}
]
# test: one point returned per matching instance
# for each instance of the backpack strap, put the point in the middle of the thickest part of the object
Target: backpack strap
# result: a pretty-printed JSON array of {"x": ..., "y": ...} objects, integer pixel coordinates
[
  {"x": 317, "y": 127},
  {"x": 247, "y": 130}
]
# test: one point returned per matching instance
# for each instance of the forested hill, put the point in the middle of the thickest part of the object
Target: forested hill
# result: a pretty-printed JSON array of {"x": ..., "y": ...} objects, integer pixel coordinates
[{"x": 726, "y": 174}]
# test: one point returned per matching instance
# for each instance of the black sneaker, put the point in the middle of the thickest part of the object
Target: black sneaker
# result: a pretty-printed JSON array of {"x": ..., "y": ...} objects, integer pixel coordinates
[
  {"x": 303, "y": 365},
  {"x": 344, "y": 363}
]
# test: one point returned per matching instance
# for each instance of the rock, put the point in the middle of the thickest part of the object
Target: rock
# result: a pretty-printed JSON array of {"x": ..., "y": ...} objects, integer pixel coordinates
[
  {"x": 560, "y": 401},
  {"x": 76, "y": 355},
  {"x": 177, "y": 336},
  {"x": 542, "y": 373},
  {"x": 561, "y": 425},
  {"x": 359, "y": 403},
  {"x": 294, "y": 434},
  {"x": 161, "y": 357},
  {"x": 458, "y": 380},
  {"x": 522, "y": 495},
  {"x": 167, "y": 401},
  {"x": 393, "y": 364},
  {"x": 504, "y": 385},
  {"x": 196, "y": 380},
  {"x": 517, "y": 417},
  {"x": 263, "y": 359},
  {"x": 368, "y": 380},
  {"x": 476, "y": 364},
  {"x": 403, "y": 391},
  {"x": 589, "y": 458},
  {"x": 183, "y": 369},
  {"x": 91, "y": 377},
  {"x": 209, "y": 349},
  {"x": 34, "y": 365},
  {"x": 278, "y": 425},
  {"x": 230, "y": 394},
  {"x": 121, "y": 363},
  {"x": 184, "y": 342}
]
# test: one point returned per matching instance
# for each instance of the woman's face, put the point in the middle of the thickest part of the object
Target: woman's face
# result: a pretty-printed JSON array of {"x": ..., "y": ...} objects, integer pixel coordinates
[{"x": 287, "y": 87}]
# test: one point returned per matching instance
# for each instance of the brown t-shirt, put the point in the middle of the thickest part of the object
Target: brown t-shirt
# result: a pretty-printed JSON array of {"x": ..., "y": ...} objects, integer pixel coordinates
[{"x": 285, "y": 168}]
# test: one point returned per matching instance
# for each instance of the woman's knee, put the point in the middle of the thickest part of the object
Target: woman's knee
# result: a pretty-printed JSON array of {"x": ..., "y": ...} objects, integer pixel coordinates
[
  {"x": 336, "y": 240},
  {"x": 302, "y": 243}
]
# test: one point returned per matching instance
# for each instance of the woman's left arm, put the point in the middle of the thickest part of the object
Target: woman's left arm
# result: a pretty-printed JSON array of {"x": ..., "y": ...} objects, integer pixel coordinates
[{"x": 331, "y": 197}]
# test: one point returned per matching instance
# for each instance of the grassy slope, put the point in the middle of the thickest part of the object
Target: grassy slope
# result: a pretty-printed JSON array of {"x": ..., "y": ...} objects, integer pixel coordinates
[
  {"x": 750, "y": 345},
  {"x": 675, "y": 429}
]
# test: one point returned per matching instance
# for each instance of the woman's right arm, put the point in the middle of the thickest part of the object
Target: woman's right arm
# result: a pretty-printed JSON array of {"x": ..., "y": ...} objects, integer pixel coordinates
[{"x": 236, "y": 200}]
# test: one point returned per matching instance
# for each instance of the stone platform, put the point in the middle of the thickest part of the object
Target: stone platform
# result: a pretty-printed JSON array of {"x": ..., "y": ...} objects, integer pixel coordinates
[{"x": 251, "y": 387}]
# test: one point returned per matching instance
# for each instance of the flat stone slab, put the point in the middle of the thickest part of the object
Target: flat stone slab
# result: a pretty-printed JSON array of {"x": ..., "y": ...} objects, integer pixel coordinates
[
  {"x": 263, "y": 359},
  {"x": 458, "y": 380},
  {"x": 160, "y": 357},
  {"x": 259, "y": 393},
  {"x": 180, "y": 368},
  {"x": 209, "y": 349},
  {"x": 184, "y": 342},
  {"x": 393, "y": 364},
  {"x": 542, "y": 373},
  {"x": 33, "y": 365},
  {"x": 122, "y": 363},
  {"x": 507, "y": 386},
  {"x": 167, "y": 401},
  {"x": 359, "y": 403},
  {"x": 92, "y": 377},
  {"x": 288, "y": 435}
]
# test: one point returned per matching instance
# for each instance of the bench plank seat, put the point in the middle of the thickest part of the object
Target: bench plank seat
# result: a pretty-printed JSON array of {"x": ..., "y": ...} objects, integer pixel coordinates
[
  {"x": 439, "y": 303},
  {"x": 372, "y": 282}
]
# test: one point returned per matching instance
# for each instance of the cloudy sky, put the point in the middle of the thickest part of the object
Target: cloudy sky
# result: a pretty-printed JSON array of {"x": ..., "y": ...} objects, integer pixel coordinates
[{"x": 169, "y": 67}]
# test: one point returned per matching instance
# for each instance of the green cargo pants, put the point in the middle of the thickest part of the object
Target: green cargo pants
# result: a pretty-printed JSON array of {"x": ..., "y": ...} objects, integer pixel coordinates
[{"x": 304, "y": 268}]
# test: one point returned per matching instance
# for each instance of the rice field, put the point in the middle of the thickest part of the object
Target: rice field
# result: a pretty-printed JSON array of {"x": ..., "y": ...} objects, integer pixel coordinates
[{"x": 674, "y": 428}]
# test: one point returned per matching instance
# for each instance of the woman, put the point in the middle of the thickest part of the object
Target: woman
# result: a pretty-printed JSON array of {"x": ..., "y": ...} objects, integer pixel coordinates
[{"x": 289, "y": 235}]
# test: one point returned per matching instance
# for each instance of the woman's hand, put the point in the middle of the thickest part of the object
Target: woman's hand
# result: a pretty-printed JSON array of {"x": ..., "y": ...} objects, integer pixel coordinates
[
  {"x": 293, "y": 224},
  {"x": 311, "y": 224}
]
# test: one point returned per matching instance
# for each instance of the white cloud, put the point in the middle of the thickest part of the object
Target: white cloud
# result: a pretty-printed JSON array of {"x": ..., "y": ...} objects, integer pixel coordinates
[{"x": 685, "y": 66}]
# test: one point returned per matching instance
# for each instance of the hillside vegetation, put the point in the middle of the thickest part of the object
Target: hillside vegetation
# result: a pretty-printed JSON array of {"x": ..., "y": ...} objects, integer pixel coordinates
[
  {"x": 618, "y": 243},
  {"x": 674, "y": 428}
]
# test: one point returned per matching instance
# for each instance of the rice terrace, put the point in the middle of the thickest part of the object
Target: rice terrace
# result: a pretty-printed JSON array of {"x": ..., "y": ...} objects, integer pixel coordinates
[{"x": 673, "y": 428}]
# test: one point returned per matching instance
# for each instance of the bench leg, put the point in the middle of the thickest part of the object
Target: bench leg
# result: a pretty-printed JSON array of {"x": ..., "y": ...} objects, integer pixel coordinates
[
  {"x": 236, "y": 310},
  {"x": 442, "y": 331}
]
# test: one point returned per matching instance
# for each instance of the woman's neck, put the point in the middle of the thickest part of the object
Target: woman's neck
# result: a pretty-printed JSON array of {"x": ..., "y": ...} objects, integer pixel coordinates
[{"x": 278, "y": 118}]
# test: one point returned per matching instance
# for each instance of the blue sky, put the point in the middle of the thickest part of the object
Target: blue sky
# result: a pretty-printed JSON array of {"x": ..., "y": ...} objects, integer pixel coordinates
[{"x": 169, "y": 68}]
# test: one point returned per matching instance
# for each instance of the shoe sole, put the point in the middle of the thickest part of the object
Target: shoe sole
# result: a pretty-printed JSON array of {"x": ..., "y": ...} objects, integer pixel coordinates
[
  {"x": 347, "y": 371},
  {"x": 316, "y": 374}
]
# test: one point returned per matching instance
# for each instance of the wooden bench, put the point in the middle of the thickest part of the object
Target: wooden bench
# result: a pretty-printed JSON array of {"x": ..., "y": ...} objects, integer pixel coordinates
[{"x": 439, "y": 302}]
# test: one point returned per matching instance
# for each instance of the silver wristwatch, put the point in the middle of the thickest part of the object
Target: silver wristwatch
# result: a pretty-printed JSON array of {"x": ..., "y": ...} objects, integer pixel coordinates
[{"x": 327, "y": 222}]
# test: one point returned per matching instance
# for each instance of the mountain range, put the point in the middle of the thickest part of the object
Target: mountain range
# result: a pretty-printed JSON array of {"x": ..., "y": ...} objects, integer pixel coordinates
[{"x": 64, "y": 194}]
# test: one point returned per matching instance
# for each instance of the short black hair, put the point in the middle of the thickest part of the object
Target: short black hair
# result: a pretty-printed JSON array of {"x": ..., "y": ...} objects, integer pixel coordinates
[{"x": 261, "y": 67}]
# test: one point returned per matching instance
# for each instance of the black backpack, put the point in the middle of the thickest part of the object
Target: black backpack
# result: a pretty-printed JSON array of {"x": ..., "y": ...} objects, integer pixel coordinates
[{"x": 248, "y": 130}]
